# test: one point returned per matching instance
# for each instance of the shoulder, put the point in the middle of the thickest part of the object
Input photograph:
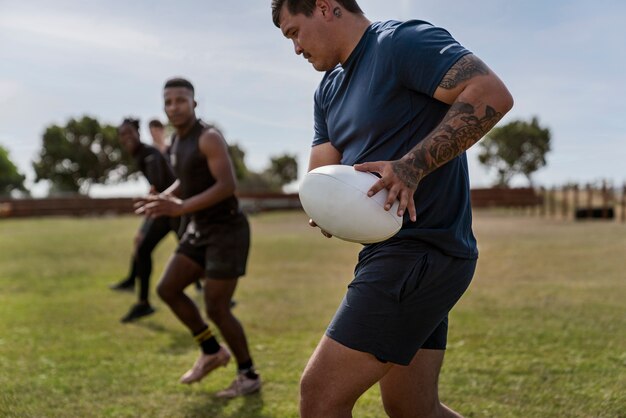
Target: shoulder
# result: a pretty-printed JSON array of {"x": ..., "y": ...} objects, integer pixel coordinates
[
  {"x": 417, "y": 33},
  {"x": 211, "y": 133},
  {"x": 151, "y": 153},
  {"x": 211, "y": 139},
  {"x": 208, "y": 130}
]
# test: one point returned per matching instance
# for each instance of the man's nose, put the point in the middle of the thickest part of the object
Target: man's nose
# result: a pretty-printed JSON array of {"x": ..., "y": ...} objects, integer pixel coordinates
[{"x": 298, "y": 49}]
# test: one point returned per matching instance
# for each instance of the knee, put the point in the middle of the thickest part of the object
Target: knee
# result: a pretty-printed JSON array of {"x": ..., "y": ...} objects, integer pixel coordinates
[
  {"x": 217, "y": 312},
  {"x": 311, "y": 404},
  {"x": 315, "y": 402},
  {"x": 165, "y": 291}
]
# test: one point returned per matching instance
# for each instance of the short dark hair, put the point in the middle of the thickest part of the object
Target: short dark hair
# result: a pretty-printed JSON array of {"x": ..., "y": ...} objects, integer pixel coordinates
[
  {"x": 306, "y": 8},
  {"x": 179, "y": 82},
  {"x": 131, "y": 121},
  {"x": 155, "y": 123}
]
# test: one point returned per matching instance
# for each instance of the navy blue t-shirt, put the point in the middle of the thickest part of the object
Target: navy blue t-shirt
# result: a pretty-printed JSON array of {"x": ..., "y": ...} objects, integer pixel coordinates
[{"x": 379, "y": 104}]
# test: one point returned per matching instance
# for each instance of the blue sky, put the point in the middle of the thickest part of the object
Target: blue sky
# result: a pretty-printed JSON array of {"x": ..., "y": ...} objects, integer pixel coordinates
[{"x": 564, "y": 61}]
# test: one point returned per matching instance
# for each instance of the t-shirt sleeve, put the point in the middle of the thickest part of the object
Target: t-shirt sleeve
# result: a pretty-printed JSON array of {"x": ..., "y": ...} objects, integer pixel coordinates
[
  {"x": 320, "y": 128},
  {"x": 423, "y": 54}
]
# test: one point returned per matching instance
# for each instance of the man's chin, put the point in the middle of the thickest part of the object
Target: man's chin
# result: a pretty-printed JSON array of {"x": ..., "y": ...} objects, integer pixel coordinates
[
  {"x": 321, "y": 67},
  {"x": 179, "y": 122}
]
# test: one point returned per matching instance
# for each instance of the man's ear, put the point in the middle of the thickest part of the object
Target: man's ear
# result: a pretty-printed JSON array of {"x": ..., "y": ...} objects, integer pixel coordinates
[
  {"x": 195, "y": 104},
  {"x": 324, "y": 7}
]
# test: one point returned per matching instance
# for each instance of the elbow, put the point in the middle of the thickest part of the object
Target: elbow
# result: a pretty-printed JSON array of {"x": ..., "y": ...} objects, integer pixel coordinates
[
  {"x": 231, "y": 190},
  {"x": 507, "y": 101},
  {"x": 228, "y": 188}
]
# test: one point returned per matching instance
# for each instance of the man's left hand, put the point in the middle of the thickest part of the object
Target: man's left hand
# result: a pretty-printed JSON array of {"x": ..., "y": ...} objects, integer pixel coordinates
[
  {"x": 389, "y": 180},
  {"x": 154, "y": 206}
]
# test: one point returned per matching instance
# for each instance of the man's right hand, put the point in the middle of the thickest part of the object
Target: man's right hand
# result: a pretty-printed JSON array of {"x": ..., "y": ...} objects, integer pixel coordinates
[{"x": 314, "y": 225}]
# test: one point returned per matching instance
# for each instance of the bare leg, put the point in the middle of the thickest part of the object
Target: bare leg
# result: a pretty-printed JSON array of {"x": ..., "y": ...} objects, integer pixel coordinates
[
  {"x": 217, "y": 295},
  {"x": 411, "y": 391},
  {"x": 180, "y": 272},
  {"x": 335, "y": 377}
]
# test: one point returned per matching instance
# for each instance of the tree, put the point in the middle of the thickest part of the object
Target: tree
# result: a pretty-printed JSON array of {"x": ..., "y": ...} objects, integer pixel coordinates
[
  {"x": 10, "y": 178},
  {"x": 81, "y": 154},
  {"x": 518, "y": 147},
  {"x": 237, "y": 156},
  {"x": 282, "y": 170}
]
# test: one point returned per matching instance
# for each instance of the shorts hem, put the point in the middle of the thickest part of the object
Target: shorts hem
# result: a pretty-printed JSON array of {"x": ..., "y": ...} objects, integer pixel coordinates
[
  {"x": 222, "y": 276},
  {"x": 378, "y": 355}
]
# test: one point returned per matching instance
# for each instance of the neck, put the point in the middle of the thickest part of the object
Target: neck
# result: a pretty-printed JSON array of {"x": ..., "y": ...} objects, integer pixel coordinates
[
  {"x": 183, "y": 130},
  {"x": 351, "y": 31}
]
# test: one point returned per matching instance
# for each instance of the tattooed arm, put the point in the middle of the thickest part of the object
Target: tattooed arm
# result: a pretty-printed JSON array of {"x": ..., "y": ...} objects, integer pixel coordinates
[{"x": 478, "y": 101}]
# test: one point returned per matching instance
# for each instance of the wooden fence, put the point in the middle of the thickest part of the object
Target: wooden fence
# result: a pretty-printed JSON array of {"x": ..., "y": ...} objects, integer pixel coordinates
[
  {"x": 250, "y": 202},
  {"x": 567, "y": 203},
  {"x": 85, "y": 206},
  {"x": 505, "y": 198},
  {"x": 601, "y": 201}
]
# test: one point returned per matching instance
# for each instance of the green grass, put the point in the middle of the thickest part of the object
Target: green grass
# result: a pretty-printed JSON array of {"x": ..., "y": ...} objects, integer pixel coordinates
[{"x": 540, "y": 333}]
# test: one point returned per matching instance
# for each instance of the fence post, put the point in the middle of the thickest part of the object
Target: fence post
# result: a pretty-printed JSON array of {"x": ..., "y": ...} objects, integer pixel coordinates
[
  {"x": 605, "y": 200},
  {"x": 576, "y": 199},
  {"x": 565, "y": 202},
  {"x": 552, "y": 201},
  {"x": 624, "y": 202},
  {"x": 542, "y": 205},
  {"x": 589, "y": 201}
]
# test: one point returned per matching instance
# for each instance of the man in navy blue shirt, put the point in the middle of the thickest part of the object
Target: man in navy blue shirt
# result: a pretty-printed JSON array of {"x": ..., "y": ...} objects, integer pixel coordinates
[{"x": 403, "y": 100}]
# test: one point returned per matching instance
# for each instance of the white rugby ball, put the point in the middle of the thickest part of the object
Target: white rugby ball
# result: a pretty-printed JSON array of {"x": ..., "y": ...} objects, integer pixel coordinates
[{"x": 335, "y": 197}]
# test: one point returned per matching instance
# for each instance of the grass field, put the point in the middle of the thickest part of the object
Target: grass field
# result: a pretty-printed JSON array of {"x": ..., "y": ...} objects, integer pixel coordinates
[{"x": 540, "y": 333}]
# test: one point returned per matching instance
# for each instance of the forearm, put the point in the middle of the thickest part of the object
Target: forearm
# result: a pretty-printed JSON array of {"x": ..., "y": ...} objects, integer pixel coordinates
[
  {"x": 173, "y": 189},
  {"x": 474, "y": 112}
]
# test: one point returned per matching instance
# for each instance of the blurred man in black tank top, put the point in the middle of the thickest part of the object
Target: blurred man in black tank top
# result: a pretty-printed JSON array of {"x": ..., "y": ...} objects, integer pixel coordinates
[
  {"x": 156, "y": 169},
  {"x": 215, "y": 243}
]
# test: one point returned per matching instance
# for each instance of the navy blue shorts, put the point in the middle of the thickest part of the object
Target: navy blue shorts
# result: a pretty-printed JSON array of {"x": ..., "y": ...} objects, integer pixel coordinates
[
  {"x": 399, "y": 300},
  {"x": 220, "y": 248}
]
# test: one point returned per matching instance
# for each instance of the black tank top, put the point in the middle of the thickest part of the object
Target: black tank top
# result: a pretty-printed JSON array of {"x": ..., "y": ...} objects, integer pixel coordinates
[
  {"x": 192, "y": 170},
  {"x": 154, "y": 166}
]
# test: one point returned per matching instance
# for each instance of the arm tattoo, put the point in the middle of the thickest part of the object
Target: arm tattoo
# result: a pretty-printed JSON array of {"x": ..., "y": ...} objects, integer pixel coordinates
[
  {"x": 465, "y": 68},
  {"x": 459, "y": 130}
]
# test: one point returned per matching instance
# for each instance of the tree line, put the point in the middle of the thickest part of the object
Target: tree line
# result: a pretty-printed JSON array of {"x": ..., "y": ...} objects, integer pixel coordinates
[{"x": 85, "y": 152}]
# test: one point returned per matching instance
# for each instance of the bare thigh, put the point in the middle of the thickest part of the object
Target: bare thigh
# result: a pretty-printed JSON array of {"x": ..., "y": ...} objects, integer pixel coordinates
[
  {"x": 180, "y": 272},
  {"x": 412, "y": 391},
  {"x": 335, "y": 377}
]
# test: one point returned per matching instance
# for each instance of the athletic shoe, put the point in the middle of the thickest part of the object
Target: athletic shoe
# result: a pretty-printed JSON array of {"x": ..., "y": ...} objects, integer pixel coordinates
[
  {"x": 241, "y": 386},
  {"x": 205, "y": 365},
  {"x": 124, "y": 286},
  {"x": 137, "y": 311}
]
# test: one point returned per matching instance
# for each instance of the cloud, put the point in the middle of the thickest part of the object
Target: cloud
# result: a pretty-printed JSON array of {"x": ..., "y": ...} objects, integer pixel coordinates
[
  {"x": 561, "y": 60},
  {"x": 72, "y": 31},
  {"x": 10, "y": 90}
]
